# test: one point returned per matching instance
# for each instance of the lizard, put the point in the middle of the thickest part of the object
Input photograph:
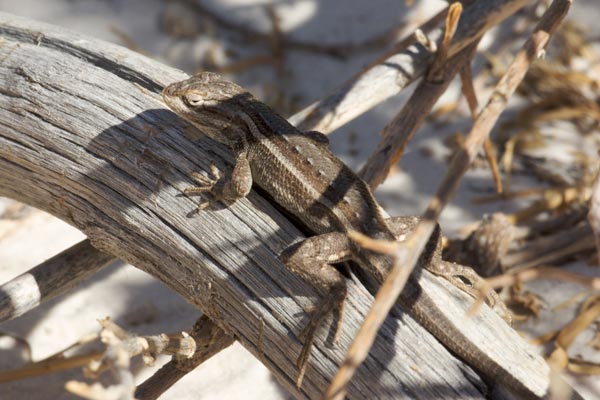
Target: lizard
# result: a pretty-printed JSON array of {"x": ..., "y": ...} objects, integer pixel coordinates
[{"x": 303, "y": 176}]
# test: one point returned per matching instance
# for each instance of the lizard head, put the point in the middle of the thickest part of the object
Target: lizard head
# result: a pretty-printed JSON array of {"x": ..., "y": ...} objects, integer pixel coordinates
[{"x": 209, "y": 102}]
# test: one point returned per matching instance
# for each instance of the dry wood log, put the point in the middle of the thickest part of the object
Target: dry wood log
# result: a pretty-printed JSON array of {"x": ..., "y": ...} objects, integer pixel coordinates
[{"x": 85, "y": 136}]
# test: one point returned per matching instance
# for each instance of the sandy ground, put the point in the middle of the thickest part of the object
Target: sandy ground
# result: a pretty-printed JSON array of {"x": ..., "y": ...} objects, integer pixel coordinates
[{"x": 143, "y": 304}]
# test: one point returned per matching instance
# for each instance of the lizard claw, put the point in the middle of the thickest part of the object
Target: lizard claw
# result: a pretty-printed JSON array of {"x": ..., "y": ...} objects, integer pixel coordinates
[
  {"x": 308, "y": 330},
  {"x": 204, "y": 205},
  {"x": 301, "y": 364},
  {"x": 308, "y": 333},
  {"x": 205, "y": 185}
]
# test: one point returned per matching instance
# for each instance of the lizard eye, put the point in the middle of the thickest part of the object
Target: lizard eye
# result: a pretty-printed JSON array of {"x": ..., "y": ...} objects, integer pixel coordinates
[{"x": 193, "y": 99}]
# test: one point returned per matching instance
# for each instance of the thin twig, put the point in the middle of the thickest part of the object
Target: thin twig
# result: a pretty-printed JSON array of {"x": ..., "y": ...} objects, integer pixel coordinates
[
  {"x": 466, "y": 78},
  {"x": 209, "y": 338},
  {"x": 567, "y": 335},
  {"x": 438, "y": 66},
  {"x": 49, "y": 366},
  {"x": 401, "y": 129}
]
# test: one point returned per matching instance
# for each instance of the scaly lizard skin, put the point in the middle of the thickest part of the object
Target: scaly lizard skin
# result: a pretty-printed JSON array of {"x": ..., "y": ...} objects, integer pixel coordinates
[{"x": 299, "y": 172}]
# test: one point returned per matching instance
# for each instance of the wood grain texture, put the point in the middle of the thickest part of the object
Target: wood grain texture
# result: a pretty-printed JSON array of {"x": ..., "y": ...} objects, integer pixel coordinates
[{"x": 85, "y": 136}]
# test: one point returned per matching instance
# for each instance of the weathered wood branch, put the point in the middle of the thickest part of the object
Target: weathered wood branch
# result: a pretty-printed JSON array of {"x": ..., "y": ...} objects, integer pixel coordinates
[
  {"x": 85, "y": 136},
  {"x": 50, "y": 279},
  {"x": 209, "y": 339}
]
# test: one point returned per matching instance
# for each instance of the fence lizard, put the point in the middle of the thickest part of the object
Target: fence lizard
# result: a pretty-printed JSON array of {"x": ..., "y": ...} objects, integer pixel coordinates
[{"x": 300, "y": 173}]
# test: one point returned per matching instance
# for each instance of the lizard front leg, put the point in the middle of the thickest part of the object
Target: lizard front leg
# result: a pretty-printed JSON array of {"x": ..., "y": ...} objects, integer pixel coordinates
[
  {"x": 231, "y": 188},
  {"x": 311, "y": 259}
]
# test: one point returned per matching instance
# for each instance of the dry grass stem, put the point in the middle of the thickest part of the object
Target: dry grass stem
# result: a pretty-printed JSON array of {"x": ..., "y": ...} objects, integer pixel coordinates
[
  {"x": 48, "y": 366},
  {"x": 436, "y": 70},
  {"x": 468, "y": 90},
  {"x": 401, "y": 129},
  {"x": 559, "y": 358}
]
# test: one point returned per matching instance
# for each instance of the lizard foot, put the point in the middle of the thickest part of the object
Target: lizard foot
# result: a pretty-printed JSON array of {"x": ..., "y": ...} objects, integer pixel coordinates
[
  {"x": 308, "y": 334},
  {"x": 205, "y": 185}
]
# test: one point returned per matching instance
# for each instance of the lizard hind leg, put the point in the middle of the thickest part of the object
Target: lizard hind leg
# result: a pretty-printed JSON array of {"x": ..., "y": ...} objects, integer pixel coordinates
[{"x": 311, "y": 259}]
